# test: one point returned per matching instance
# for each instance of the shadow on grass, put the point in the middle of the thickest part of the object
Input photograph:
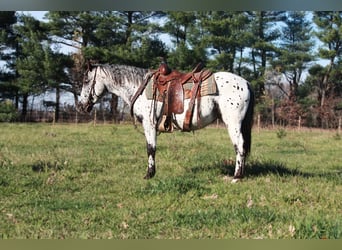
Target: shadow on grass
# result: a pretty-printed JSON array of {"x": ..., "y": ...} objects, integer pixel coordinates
[
  {"x": 258, "y": 168},
  {"x": 43, "y": 166}
]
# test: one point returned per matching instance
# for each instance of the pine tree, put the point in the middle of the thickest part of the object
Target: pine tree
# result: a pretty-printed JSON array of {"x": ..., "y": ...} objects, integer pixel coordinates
[
  {"x": 8, "y": 46},
  {"x": 179, "y": 25},
  {"x": 296, "y": 49},
  {"x": 265, "y": 33},
  {"x": 29, "y": 59},
  {"x": 56, "y": 65},
  {"x": 224, "y": 37},
  {"x": 185, "y": 31},
  {"x": 329, "y": 32}
]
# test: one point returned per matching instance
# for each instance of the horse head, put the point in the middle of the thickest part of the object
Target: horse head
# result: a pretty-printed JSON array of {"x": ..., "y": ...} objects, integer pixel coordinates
[{"x": 91, "y": 91}]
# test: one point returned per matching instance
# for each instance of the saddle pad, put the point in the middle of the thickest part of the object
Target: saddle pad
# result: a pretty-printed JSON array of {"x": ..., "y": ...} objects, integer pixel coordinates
[{"x": 208, "y": 87}]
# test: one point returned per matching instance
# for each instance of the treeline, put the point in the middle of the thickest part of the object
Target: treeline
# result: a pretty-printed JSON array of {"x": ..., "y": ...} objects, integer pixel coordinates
[{"x": 277, "y": 51}]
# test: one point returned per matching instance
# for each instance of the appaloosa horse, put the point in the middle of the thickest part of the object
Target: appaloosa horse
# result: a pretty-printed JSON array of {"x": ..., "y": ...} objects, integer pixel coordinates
[{"x": 233, "y": 103}]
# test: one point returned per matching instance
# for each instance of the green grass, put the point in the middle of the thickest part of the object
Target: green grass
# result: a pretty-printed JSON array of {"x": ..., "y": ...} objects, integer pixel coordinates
[{"x": 68, "y": 181}]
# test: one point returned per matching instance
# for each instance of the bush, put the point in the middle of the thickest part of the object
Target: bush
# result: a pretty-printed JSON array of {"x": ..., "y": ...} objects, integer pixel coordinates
[
  {"x": 281, "y": 133},
  {"x": 8, "y": 112}
]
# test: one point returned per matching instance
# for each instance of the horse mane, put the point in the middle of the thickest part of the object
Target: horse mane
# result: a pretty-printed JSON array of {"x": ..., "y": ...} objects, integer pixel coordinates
[{"x": 120, "y": 73}]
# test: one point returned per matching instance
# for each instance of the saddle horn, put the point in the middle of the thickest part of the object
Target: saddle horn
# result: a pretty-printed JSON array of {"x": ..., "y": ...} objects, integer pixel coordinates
[{"x": 164, "y": 69}]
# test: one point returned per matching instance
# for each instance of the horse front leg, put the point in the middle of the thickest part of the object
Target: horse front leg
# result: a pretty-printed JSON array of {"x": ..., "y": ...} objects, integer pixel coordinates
[
  {"x": 151, "y": 143},
  {"x": 151, "y": 153}
]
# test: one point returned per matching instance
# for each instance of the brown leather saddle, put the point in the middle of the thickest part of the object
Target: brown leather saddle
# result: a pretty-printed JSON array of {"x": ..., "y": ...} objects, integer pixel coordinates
[{"x": 168, "y": 88}]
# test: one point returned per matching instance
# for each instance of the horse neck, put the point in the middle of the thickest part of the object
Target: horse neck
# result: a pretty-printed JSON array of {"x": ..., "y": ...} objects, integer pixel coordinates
[
  {"x": 124, "y": 91},
  {"x": 124, "y": 86}
]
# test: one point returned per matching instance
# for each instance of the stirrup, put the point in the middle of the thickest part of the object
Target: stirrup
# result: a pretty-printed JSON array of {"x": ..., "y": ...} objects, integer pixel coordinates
[{"x": 165, "y": 124}]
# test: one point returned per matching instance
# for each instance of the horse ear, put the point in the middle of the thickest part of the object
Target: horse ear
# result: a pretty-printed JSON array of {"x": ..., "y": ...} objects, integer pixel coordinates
[{"x": 89, "y": 65}]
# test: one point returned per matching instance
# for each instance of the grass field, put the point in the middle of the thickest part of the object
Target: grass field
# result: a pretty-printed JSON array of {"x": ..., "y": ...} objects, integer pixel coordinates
[{"x": 81, "y": 181}]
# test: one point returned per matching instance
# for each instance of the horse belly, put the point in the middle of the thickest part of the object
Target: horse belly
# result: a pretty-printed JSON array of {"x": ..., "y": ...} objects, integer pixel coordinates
[{"x": 206, "y": 116}]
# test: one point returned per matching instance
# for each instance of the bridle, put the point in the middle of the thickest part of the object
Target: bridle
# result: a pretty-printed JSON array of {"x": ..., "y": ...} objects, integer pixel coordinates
[{"x": 92, "y": 93}]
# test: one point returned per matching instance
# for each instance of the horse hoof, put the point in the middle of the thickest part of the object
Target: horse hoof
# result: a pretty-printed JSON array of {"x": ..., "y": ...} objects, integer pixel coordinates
[
  {"x": 149, "y": 175},
  {"x": 236, "y": 180}
]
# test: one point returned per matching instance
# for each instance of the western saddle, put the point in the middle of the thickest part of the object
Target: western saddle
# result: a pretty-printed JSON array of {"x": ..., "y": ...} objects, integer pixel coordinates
[
  {"x": 169, "y": 84},
  {"x": 168, "y": 88}
]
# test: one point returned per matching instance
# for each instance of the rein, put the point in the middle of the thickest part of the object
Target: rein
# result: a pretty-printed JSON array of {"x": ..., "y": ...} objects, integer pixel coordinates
[
  {"x": 140, "y": 90},
  {"x": 92, "y": 92}
]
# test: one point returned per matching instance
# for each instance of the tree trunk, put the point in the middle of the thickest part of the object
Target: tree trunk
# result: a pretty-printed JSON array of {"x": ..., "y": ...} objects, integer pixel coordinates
[
  {"x": 24, "y": 108},
  {"x": 114, "y": 107},
  {"x": 325, "y": 81},
  {"x": 254, "y": 65},
  {"x": 57, "y": 103},
  {"x": 240, "y": 62}
]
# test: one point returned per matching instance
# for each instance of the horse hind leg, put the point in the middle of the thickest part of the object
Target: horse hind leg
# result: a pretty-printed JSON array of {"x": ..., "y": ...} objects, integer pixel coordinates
[
  {"x": 242, "y": 146},
  {"x": 238, "y": 141},
  {"x": 239, "y": 124},
  {"x": 236, "y": 136},
  {"x": 241, "y": 134},
  {"x": 239, "y": 163}
]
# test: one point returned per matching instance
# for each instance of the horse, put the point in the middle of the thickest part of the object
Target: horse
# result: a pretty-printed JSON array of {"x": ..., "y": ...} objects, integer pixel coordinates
[{"x": 233, "y": 104}]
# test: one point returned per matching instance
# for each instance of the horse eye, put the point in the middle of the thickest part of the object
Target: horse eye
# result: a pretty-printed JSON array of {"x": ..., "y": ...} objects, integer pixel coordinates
[{"x": 85, "y": 80}]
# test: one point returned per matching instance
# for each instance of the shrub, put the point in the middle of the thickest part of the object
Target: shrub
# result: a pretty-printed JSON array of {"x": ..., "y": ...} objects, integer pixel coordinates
[
  {"x": 8, "y": 112},
  {"x": 281, "y": 133}
]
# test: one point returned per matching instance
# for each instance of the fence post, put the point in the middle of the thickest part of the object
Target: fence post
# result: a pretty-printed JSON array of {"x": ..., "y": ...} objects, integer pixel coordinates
[
  {"x": 258, "y": 123},
  {"x": 54, "y": 117},
  {"x": 76, "y": 119},
  {"x": 299, "y": 122},
  {"x": 339, "y": 125},
  {"x": 273, "y": 113},
  {"x": 94, "y": 117}
]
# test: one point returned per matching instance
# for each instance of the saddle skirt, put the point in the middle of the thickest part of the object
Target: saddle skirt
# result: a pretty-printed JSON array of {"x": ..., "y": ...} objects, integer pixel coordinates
[{"x": 208, "y": 87}]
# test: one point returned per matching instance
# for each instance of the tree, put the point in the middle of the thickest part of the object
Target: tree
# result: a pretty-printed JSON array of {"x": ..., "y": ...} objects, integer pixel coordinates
[
  {"x": 8, "y": 46},
  {"x": 184, "y": 29},
  {"x": 72, "y": 28},
  {"x": 179, "y": 25},
  {"x": 56, "y": 67},
  {"x": 131, "y": 38},
  {"x": 29, "y": 59},
  {"x": 224, "y": 37},
  {"x": 295, "y": 49},
  {"x": 329, "y": 24},
  {"x": 265, "y": 33}
]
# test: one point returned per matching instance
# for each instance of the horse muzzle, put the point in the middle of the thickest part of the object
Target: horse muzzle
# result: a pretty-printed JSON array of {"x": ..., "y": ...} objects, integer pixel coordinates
[{"x": 84, "y": 108}]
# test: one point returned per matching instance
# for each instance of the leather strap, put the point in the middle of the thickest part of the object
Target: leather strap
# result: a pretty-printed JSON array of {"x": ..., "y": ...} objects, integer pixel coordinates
[
  {"x": 190, "y": 111},
  {"x": 140, "y": 90}
]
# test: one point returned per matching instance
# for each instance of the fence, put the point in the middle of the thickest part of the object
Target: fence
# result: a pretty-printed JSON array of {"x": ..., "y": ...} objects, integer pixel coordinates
[
  {"x": 299, "y": 123},
  {"x": 70, "y": 115}
]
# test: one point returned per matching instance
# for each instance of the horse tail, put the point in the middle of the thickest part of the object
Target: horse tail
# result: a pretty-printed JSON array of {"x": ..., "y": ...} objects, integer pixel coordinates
[{"x": 247, "y": 123}]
